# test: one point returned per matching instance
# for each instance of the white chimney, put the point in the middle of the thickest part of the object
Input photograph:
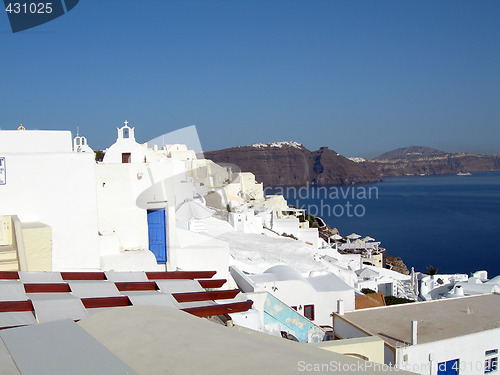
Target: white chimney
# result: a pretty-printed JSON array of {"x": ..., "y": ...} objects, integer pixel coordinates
[
  {"x": 414, "y": 332},
  {"x": 340, "y": 307}
]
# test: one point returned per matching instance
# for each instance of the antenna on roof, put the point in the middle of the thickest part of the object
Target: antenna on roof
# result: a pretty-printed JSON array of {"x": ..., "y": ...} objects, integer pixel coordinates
[{"x": 77, "y": 130}]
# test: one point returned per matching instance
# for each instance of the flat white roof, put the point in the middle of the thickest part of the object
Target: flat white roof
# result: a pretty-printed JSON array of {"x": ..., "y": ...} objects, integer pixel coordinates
[
  {"x": 328, "y": 283},
  {"x": 158, "y": 340},
  {"x": 437, "y": 320}
]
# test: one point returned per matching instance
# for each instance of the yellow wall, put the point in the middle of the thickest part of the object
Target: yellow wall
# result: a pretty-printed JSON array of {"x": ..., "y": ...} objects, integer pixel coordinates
[
  {"x": 38, "y": 246},
  {"x": 371, "y": 347},
  {"x": 379, "y": 258}
]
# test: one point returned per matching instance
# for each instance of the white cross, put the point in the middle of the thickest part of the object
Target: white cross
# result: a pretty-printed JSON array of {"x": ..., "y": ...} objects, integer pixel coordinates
[{"x": 126, "y": 123}]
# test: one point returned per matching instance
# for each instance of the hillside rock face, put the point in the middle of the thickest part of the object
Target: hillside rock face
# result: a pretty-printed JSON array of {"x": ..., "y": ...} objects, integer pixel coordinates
[
  {"x": 291, "y": 164},
  {"x": 331, "y": 168},
  {"x": 397, "y": 264},
  {"x": 412, "y": 152},
  {"x": 417, "y": 160}
]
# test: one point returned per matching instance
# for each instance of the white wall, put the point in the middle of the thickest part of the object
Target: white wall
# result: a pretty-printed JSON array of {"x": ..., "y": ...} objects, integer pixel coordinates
[
  {"x": 245, "y": 284},
  {"x": 237, "y": 220},
  {"x": 250, "y": 188},
  {"x": 114, "y": 153},
  {"x": 300, "y": 293},
  {"x": 183, "y": 182},
  {"x": 346, "y": 330},
  {"x": 127, "y": 191},
  {"x": 32, "y": 141},
  {"x": 310, "y": 235},
  {"x": 125, "y": 145},
  {"x": 368, "y": 284},
  {"x": 470, "y": 349},
  {"x": 288, "y": 226},
  {"x": 233, "y": 194},
  {"x": 118, "y": 187},
  {"x": 196, "y": 252},
  {"x": 253, "y": 224},
  {"x": 209, "y": 173},
  {"x": 57, "y": 189},
  {"x": 429, "y": 287}
]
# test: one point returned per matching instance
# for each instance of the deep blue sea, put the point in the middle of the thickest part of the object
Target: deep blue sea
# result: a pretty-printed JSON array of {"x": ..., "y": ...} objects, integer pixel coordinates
[{"x": 448, "y": 221}]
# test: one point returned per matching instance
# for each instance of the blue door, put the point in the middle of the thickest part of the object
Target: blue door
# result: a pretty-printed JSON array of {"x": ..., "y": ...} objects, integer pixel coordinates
[{"x": 157, "y": 235}]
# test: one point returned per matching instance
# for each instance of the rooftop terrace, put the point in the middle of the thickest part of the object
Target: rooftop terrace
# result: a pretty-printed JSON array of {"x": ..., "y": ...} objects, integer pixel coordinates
[{"x": 437, "y": 320}]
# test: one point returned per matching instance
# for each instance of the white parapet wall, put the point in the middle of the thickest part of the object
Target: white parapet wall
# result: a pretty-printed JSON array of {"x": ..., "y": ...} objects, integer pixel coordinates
[
  {"x": 370, "y": 348},
  {"x": 197, "y": 252},
  {"x": 309, "y": 236},
  {"x": 34, "y": 141},
  {"x": 288, "y": 226}
]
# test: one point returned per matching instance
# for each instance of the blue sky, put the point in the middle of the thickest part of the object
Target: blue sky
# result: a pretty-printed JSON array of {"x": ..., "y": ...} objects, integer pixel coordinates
[{"x": 361, "y": 77}]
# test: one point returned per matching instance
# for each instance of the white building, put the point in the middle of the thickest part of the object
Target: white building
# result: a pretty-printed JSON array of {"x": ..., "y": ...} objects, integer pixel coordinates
[
  {"x": 244, "y": 185},
  {"x": 388, "y": 282},
  {"x": 438, "y": 286},
  {"x": 448, "y": 336},
  {"x": 80, "y": 144},
  {"x": 137, "y": 199},
  {"x": 315, "y": 296},
  {"x": 50, "y": 187},
  {"x": 285, "y": 220},
  {"x": 246, "y": 221},
  {"x": 473, "y": 286},
  {"x": 117, "y": 215},
  {"x": 125, "y": 149},
  {"x": 213, "y": 348}
]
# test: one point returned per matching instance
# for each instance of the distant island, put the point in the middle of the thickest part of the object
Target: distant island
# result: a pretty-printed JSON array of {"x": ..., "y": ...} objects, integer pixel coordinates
[
  {"x": 417, "y": 160},
  {"x": 291, "y": 164}
]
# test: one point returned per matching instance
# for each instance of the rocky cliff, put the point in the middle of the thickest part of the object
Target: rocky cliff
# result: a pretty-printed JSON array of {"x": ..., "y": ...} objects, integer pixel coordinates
[
  {"x": 331, "y": 168},
  {"x": 291, "y": 164},
  {"x": 416, "y": 160}
]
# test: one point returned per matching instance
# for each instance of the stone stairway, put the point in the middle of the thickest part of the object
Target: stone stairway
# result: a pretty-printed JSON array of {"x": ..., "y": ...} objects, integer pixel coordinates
[{"x": 405, "y": 290}]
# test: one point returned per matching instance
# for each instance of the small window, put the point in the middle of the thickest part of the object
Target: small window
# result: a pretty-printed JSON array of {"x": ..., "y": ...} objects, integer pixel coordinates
[
  {"x": 490, "y": 365},
  {"x": 294, "y": 307},
  {"x": 491, "y": 361},
  {"x": 126, "y": 157},
  {"x": 125, "y": 133},
  {"x": 309, "y": 312}
]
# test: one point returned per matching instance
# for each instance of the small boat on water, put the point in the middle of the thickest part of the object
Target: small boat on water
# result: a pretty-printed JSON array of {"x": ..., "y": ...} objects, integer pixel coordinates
[{"x": 463, "y": 174}]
